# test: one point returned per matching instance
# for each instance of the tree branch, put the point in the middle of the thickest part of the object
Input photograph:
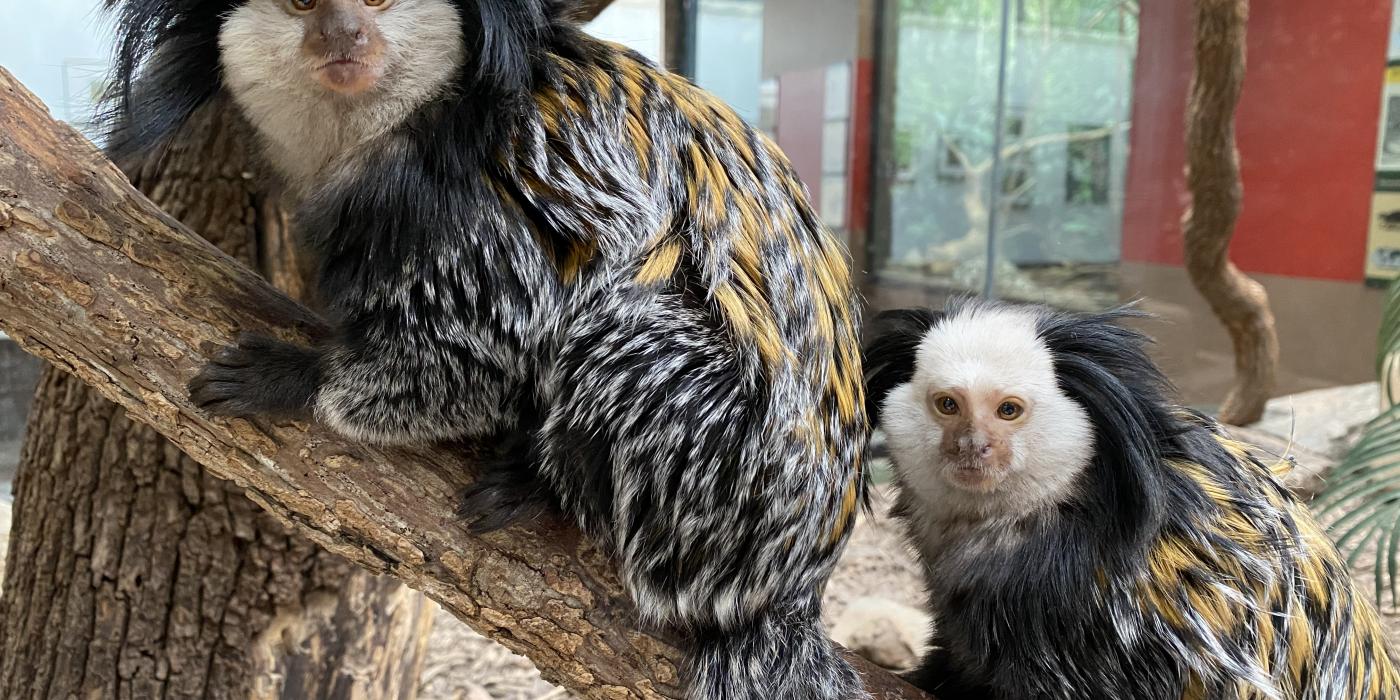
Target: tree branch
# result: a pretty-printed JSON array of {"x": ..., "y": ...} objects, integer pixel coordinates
[
  {"x": 96, "y": 280},
  {"x": 1213, "y": 176},
  {"x": 590, "y": 9}
]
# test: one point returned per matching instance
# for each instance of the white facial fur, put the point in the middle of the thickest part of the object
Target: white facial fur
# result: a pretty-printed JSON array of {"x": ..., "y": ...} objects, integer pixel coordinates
[
  {"x": 990, "y": 351},
  {"x": 304, "y": 125}
]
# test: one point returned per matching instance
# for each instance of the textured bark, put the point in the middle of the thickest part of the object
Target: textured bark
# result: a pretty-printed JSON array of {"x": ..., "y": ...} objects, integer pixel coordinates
[
  {"x": 135, "y": 573},
  {"x": 589, "y": 10},
  {"x": 95, "y": 279},
  {"x": 1213, "y": 176}
]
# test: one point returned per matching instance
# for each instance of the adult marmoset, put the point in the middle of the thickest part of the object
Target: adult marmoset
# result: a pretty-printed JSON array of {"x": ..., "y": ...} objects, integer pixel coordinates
[
  {"x": 527, "y": 236},
  {"x": 1083, "y": 537}
]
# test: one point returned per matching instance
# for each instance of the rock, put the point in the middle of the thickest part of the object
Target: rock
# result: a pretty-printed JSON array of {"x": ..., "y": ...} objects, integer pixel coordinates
[
  {"x": 1310, "y": 469},
  {"x": 1325, "y": 420},
  {"x": 888, "y": 633},
  {"x": 473, "y": 691}
]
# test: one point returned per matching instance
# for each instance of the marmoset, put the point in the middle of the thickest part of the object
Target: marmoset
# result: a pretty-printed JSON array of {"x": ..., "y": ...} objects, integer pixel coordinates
[
  {"x": 529, "y": 236},
  {"x": 1083, "y": 537}
]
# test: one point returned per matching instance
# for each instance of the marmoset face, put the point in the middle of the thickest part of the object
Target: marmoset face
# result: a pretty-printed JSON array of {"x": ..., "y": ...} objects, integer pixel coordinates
[
  {"x": 345, "y": 47},
  {"x": 318, "y": 78},
  {"x": 983, "y": 421}
]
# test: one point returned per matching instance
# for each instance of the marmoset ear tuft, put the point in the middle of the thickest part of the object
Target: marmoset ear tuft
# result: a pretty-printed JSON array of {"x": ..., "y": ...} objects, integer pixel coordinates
[{"x": 165, "y": 66}]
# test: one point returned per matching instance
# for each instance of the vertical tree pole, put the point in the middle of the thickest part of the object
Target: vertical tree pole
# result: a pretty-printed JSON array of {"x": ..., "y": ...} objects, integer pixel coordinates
[
  {"x": 135, "y": 573},
  {"x": 1213, "y": 177}
]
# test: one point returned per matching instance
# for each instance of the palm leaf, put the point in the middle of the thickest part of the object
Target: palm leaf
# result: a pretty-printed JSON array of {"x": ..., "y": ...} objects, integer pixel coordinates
[
  {"x": 1388, "y": 355},
  {"x": 1362, "y": 499},
  {"x": 1364, "y": 493}
]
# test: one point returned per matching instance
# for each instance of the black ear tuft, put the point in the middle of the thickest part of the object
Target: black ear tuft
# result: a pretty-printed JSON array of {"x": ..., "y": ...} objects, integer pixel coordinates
[
  {"x": 889, "y": 359},
  {"x": 1105, "y": 368},
  {"x": 507, "y": 36},
  {"x": 1103, "y": 339},
  {"x": 165, "y": 66}
]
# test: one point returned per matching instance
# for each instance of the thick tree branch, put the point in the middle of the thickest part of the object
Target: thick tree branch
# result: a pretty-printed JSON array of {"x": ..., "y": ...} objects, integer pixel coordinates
[
  {"x": 96, "y": 280},
  {"x": 1213, "y": 176}
]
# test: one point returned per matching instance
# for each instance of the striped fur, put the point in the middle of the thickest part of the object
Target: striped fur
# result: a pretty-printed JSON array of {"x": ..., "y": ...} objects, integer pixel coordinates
[{"x": 570, "y": 251}]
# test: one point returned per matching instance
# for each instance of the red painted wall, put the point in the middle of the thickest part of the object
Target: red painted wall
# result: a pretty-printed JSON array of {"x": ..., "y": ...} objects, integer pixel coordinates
[
  {"x": 862, "y": 118},
  {"x": 1307, "y": 131},
  {"x": 801, "y": 97},
  {"x": 801, "y": 107}
]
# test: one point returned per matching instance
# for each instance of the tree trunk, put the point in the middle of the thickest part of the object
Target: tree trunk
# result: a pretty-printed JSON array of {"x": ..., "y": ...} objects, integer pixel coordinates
[
  {"x": 1213, "y": 176},
  {"x": 97, "y": 280},
  {"x": 135, "y": 573}
]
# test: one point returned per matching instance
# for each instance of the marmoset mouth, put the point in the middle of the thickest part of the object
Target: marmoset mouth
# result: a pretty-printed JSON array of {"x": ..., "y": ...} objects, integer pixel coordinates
[
  {"x": 976, "y": 477},
  {"x": 347, "y": 75}
]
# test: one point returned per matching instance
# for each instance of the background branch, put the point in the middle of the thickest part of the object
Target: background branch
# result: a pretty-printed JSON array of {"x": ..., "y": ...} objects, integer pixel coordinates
[
  {"x": 1213, "y": 177},
  {"x": 590, "y": 9},
  {"x": 96, "y": 280}
]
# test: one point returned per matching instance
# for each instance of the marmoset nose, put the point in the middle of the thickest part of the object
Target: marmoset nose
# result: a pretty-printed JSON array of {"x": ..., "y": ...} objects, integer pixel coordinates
[
  {"x": 342, "y": 39},
  {"x": 339, "y": 29},
  {"x": 975, "y": 445},
  {"x": 353, "y": 35}
]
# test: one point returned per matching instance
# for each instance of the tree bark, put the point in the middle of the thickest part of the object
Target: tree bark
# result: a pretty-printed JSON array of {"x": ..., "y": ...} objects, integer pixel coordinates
[
  {"x": 1213, "y": 176},
  {"x": 588, "y": 10},
  {"x": 138, "y": 574},
  {"x": 95, "y": 279}
]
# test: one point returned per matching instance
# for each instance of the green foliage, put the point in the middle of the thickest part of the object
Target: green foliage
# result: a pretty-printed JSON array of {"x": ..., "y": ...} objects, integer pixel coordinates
[
  {"x": 1388, "y": 359},
  {"x": 1363, "y": 492}
]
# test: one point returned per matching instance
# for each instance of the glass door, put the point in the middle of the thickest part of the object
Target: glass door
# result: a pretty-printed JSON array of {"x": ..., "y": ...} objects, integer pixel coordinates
[{"x": 1004, "y": 148}]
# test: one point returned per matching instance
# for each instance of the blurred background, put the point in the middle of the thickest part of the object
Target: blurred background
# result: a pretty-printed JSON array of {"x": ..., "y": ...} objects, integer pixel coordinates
[{"x": 1021, "y": 149}]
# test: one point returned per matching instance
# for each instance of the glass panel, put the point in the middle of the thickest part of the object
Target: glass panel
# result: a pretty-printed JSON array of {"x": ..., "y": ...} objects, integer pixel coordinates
[
  {"x": 793, "y": 69},
  {"x": 635, "y": 23},
  {"x": 1068, "y": 108},
  {"x": 729, "y": 52},
  {"x": 941, "y": 100},
  {"x": 60, "y": 52}
]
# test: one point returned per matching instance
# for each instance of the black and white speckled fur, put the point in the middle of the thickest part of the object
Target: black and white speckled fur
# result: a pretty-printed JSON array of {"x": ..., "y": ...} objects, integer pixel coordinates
[
  {"x": 1134, "y": 551},
  {"x": 563, "y": 247}
]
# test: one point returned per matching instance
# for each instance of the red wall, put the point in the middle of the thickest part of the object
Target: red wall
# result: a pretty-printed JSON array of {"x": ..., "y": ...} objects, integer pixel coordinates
[
  {"x": 1307, "y": 131},
  {"x": 801, "y": 118},
  {"x": 801, "y": 97},
  {"x": 862, "y": 125}
]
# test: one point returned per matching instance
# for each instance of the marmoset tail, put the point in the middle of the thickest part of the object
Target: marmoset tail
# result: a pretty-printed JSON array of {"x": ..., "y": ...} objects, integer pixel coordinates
[
  {"x": 529, "y": 237},
  {"x": 1083, "y": 537}
]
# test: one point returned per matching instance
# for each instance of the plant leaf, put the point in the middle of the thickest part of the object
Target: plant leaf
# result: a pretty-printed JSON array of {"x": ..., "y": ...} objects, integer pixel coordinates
[{"x": 1364, "y": 489}]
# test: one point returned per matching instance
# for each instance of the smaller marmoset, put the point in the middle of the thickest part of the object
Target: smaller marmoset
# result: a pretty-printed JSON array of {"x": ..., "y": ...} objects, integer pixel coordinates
[{"x": 1083, "y": 537}]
